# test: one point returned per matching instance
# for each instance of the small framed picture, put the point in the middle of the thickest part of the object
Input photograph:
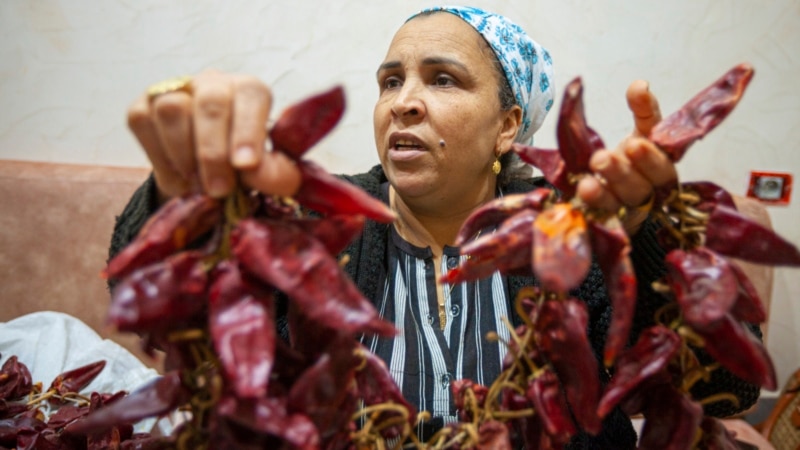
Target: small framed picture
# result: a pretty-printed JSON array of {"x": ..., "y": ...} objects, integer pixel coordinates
[{"x": 770, "y": 187}]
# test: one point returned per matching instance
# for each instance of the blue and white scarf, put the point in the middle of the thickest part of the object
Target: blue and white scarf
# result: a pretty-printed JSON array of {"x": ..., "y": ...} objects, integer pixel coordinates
[{"x": 527, "y": 65}]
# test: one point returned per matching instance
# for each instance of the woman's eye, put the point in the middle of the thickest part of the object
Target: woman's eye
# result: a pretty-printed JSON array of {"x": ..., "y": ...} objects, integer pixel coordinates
[
  {"x": 391, "y": 83},
  {"x": 444, "y": 80}
]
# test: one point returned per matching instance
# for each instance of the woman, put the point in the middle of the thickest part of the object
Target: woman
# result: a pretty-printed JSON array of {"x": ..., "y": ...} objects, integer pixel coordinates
[{"x": 457, "y": 87}]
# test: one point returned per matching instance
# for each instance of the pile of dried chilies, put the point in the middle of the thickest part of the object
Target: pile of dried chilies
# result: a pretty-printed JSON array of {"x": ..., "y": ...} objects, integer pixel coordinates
[{"x": 211, "y": 306}]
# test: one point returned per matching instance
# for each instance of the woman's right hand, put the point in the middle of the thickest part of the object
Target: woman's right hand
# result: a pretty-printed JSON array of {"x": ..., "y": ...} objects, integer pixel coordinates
[{"x": 205, "y": 138}]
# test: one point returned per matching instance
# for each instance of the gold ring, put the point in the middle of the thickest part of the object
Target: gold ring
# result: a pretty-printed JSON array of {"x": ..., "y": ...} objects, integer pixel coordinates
[
  {"x": 183, "y": 84},
  {"x": 648, "y": 205}
]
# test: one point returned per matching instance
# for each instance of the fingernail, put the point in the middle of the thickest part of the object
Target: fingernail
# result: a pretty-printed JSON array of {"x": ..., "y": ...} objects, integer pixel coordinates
[
  {"x": 218, "y": 187},
  {"x": 244, "y": 156}
]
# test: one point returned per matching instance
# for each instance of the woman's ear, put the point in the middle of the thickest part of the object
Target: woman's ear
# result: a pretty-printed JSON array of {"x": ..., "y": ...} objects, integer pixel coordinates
[{"x": 512, "y": 121}]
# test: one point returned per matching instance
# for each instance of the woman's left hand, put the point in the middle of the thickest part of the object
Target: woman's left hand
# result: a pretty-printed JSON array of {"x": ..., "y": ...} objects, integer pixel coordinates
[{"x": 629, "y": 174}]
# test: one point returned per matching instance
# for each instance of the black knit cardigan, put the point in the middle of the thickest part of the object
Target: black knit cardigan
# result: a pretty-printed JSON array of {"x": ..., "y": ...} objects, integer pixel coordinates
[{"x": 366, "y": 268}]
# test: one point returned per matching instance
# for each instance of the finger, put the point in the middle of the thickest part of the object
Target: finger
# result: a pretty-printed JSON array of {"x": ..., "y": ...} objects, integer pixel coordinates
[
  {"x": 594, "y": 192},
  {"x": 251, "y": 104},
  {"x": 623, "y": 181},
  {"x": 650, "y": 162},
  {"x": 173, "y": 121},
  {"x": 644, "y": 106},
  {"x": 212, "y": 114},
  {"x": 276, "y": 174},
  {"x": 168, "y": 180}
]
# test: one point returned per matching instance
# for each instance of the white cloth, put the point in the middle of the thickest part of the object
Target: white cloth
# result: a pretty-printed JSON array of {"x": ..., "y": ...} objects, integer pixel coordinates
[{"x": 49, "y": 343}]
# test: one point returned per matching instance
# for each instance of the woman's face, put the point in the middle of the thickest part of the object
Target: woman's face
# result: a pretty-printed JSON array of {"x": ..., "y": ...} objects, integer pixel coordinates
[{"x": 438, "y": 82}]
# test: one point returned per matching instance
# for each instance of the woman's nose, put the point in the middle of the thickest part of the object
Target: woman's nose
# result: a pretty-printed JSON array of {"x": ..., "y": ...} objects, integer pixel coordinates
[{"x": 408, "y": 103}]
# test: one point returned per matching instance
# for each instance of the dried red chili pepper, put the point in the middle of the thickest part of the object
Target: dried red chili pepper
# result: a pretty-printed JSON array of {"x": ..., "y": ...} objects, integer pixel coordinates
[
  {"x": 671, "y": 420},
  {"x": 736, "y": 349},
  {"x": 323, "y": 391},
  {"x": 241, "y": 321},
  {"x": 730, "y": 233},
  {"x": 156, "y": 398},
  {"x": 716, "y": 436},
  {"x": 561, "y": 251},
  {"x": 376, "y": 386},
  {"x": 544, "y": 391},
  {"x": 676, "y": 132},
  {"x": 268, "y": 415},
  {"x": 180, "y": 221},
  {"x": 493, "y": 435},
  {"x": 15, "y": 379},
  {"x": 561, "y": 333},
  {"x": 303, "y": 124},
  {"x": 76, "y": 379},
  {"x": 646, "y": 360},
  {"x": 550, "y": 162},
  {"x": 334, "y": 232},
  {"x": 160, "y": 295},
  {"x": 703, "y": 283},
  {"x": 710, "y": 195},
  {"x": 576, "y": 140},
  {"x": 328, "y": 194},
  {"x": 748, "y": 306},
  {"x": 498, "y": 210},
  {"x": 576, "y": 144},
  {"x": 283, "y": 256},
  {"x": 10, "y": 429},
  {"x": 612, "y": 247},
  {"x": 508, "y": 249}
]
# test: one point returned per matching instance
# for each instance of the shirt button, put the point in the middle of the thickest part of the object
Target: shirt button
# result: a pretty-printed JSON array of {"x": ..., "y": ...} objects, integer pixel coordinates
[
  {"x": 446, "y": 381},
  {"x": 455, "y": 310},
  {"x": 452, "y": 262},
  {"x": 430, "y": 319}
]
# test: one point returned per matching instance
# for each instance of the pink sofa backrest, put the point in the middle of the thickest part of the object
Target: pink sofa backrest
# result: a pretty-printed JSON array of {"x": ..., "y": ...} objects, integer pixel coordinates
[{"x": 55, "y": 226}]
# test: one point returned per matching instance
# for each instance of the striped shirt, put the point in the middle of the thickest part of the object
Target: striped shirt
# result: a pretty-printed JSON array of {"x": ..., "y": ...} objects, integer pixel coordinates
[{"x": 423, "y": 358}]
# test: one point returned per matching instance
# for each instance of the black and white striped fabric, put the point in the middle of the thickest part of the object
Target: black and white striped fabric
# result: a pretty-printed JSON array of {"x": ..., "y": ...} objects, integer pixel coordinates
[{"x": 423, "y": 358}]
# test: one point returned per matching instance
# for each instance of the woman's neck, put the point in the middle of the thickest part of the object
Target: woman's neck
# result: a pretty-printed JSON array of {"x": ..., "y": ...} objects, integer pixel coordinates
[{"x": 434, "y": 226}]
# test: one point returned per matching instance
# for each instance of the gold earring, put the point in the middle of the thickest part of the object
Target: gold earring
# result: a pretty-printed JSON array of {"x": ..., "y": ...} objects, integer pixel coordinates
[{"x": 496, "y": 166}]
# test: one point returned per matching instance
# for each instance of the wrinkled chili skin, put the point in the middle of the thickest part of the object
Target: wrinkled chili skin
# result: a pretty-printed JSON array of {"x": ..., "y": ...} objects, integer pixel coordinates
[
  {"x": 676, "y": 132},
  {"x": 303, "y": 124},
  {"x": 736, "y": 349},
  {"x": 241, "y": 321},
  {"x": 15, "y": 379},
  {"x": 76, "y": 379},
  {"x": 748, "y": 306},
  {"x": 179, "y": 222},
  {"x": 173, "y": 289},
  {"x": 576, "y": 140},
  {"x": 328, "y": 194},
  {"x": 498, "y": 210},
  {"x": 156, "y": 398},
  {"x": 544, "y": 391},
  {"x": 297, "y": 264},
  {"x": 671, "y": 420},
  {"x": 612, "y": 248},
  {"x": 376, "y": 385},
  {"x": 703, "y": 283},
  {"x": 508, "y": 249},
  {"x": 561, "y": 333},
  {"x": 716, "y": 436},
  {"x": 648, "y": 358},
  {"x": 730, "y": 233}
]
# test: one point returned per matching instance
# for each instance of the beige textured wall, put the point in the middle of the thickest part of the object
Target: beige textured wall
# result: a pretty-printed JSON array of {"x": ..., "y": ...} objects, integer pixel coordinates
[{"x": 68, "y": 69}]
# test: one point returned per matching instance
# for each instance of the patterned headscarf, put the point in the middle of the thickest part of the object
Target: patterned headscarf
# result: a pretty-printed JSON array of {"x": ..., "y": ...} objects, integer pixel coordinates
[{"x": 526, "y": 64}]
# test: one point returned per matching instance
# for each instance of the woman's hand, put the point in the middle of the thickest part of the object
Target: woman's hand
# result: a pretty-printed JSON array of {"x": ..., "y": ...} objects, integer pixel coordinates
[
  {"x": 629, "y": 174},
  {"x": 209, "y": 136}
]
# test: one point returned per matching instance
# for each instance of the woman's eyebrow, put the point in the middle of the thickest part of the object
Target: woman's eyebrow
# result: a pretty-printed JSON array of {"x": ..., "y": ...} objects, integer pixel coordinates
[{"x": 429, "y": 61}]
